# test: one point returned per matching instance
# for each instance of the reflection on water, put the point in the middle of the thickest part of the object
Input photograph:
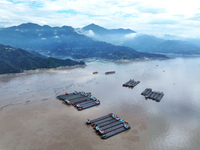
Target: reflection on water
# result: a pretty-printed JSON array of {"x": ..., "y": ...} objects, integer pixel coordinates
[{"x": 173, "y": 123}]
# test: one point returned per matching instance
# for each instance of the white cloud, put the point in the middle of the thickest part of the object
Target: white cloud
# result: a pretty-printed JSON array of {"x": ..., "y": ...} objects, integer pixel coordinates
[
  {"x": 89, "y": 33},
  {"x": 150, "y": 17}
]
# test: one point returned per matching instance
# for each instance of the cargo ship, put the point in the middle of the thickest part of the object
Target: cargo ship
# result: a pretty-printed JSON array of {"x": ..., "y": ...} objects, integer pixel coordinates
[{"x": 80, "y": 100}]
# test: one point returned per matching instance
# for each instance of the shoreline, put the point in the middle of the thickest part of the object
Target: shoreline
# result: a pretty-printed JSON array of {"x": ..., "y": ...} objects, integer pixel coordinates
[
  {"x": 122, "y": 60},
  {"x": 82, "y": 66},
  {"x": 169, "y": 56},
  {"x": 43, "y": 69}
]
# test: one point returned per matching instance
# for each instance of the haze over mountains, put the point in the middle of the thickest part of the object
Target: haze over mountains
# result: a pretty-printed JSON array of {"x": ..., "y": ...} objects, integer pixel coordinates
[
  {"x": 66, "y": 42},
  {"x": 58, "y": 42},
  {"x": 142, "y": 42},
  {"x": 152, "y": 44}
]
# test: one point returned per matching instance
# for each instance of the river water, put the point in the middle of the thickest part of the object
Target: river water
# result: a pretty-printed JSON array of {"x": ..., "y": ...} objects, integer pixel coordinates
[{"x": 47, "y": 123}]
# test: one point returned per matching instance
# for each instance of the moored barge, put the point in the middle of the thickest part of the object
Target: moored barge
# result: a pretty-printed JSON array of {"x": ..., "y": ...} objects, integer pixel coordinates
[
  {"x": 80, "y": 100},
  {"x": 149, "y": 94},
  {"x": 108, "y": 125},
  {"x": 131, "y": 83}
]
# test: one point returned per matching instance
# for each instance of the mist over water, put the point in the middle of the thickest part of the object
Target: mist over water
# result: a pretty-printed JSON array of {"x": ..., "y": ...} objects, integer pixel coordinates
[{"x": 172, "y": 123}]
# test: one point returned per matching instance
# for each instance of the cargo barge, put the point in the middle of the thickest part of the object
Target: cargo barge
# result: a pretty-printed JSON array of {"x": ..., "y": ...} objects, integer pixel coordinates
[
  {"x": 77, "y": 99},
  {"x": 131, "y": 83},
  {"x": 103, "y": 128},
  {"x": 108, "y": 125},
  {"x": 88, "y": 121},
  {"x": 80, "y": 100},
  {"x": 149, "y": 94},
  {"x": 66, "y": 95},
  {"x": 104, "y": 124},
  {"x": 88, "y": 105},
  {"x": 116, "y": 131}
]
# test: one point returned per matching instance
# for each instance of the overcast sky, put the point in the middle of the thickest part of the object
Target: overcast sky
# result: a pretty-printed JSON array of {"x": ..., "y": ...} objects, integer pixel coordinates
[{"x": 156, "y": 17}]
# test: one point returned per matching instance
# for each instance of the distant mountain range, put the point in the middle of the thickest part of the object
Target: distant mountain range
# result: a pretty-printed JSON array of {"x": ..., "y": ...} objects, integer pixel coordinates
[
  {"x": 142, "y": 42},
  {"x": 152, "y": 44},
  {"x": 68, "y": 42},
  {"x": 14, "y": 60}
]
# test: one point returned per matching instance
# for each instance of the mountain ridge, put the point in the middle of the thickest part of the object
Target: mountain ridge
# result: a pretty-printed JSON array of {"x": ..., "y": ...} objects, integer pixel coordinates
[
  {"x": 103, "y": 31},
  {"x": 65, "y": 41},
  {"x": 13, "y": 60}
]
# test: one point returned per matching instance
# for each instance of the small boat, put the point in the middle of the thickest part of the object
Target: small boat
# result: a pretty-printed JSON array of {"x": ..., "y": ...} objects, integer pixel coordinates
[
  {"x": 95, "y": 72},
  {"x": 109, "y": 72}
]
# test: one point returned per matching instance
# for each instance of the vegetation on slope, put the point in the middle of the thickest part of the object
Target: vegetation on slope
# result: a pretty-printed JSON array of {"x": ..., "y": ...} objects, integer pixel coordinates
[{"x": 14, "y": 60}]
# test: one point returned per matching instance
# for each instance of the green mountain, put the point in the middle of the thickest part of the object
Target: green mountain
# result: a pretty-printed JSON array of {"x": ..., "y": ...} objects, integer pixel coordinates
[
  {"x": 96, "y": 49},
  {"x": 14, "y": 60}
]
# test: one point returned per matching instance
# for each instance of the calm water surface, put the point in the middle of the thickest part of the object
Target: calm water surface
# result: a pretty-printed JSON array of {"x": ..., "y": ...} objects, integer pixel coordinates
[{"x": 171, "y": 124}]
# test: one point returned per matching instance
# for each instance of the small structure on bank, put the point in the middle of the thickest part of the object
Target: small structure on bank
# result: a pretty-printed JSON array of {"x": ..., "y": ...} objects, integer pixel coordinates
[
  {"x": 149, "y": 94},
  {"x": 108, "y": 125},
  {"x": 79, "y": 100}
]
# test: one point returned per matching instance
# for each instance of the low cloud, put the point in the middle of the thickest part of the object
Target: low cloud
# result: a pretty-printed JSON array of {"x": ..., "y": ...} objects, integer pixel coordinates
[
  {"x": 130, "y": 36},
  {"x": 89, "y": 33}
]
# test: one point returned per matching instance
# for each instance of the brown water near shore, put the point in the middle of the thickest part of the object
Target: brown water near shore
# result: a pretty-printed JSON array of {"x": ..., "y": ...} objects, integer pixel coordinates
[{"x": 45, "y": 123}]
